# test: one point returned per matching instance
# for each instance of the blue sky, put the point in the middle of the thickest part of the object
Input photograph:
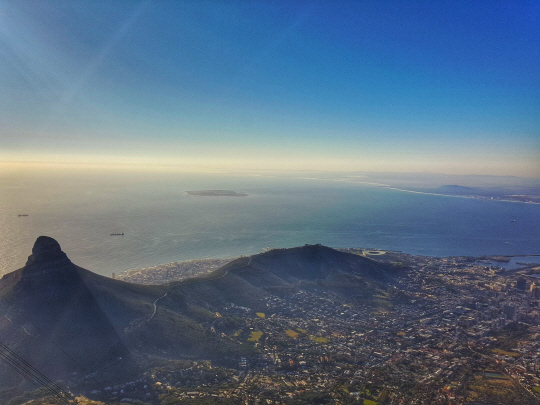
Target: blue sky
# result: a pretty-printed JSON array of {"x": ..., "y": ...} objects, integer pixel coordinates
[{"x": 446, "y": 86}]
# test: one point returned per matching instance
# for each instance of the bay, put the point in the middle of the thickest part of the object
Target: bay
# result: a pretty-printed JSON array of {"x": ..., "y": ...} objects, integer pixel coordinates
[{"x": 162, "y": 223}]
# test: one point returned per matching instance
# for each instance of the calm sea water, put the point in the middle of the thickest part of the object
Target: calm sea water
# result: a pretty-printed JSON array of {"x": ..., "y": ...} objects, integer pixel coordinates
[
  {"x": 163, "y": 224},
  {"x": 517, "y": 262}
]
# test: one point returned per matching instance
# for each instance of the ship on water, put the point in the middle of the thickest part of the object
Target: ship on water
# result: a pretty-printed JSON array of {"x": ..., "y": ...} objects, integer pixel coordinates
[
  {"x": 117, "y": 234},
  {"x": 22, "y": 215}
]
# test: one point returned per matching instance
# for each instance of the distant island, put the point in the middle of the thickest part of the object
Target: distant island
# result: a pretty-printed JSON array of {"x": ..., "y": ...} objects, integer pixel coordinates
[{"x": 217, "y": 193}]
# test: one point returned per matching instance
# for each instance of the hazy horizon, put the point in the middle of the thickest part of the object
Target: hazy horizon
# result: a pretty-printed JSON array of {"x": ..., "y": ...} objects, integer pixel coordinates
[{"x": 448, "y": 87}]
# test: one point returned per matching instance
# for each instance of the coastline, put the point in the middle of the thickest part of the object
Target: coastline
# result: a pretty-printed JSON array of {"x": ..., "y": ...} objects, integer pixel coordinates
[
  {"x": 181, "y": 270},
  {"x": 390, "y": 187},
  {"x": 472, "y": 197}
]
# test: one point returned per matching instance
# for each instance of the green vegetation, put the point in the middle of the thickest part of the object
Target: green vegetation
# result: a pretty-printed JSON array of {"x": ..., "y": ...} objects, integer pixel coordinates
[
  {"x": 496, "y": 391},
  {"x": 291, "y": 333},
  {"x": 261, "y": 315},
  {"x": 255, "y": 336},
  {"x": 369, "y": 402},
  {"x": 304, "y": 331},
  {"x": 509, "y": 336},
  {"x": 505, "y": 353},
  {"x": 319, "y": 339}
]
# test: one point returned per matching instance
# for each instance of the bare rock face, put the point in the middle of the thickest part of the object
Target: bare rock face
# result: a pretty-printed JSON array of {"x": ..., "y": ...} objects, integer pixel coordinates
[
  {"x": 56, "y": 321},
  {"x": 46, "y": 257}
]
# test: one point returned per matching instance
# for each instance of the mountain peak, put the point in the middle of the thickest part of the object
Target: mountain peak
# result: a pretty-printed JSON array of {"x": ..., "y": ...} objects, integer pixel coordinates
[{"x": 46, "y": 251}]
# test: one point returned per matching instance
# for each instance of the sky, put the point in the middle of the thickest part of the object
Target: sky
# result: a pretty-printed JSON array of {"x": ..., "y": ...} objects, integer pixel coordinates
[{"x": 401, "y": 86}]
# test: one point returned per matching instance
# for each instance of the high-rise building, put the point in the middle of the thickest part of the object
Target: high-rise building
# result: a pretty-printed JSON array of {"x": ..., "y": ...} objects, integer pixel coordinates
[{"x": 509, "y": 312}]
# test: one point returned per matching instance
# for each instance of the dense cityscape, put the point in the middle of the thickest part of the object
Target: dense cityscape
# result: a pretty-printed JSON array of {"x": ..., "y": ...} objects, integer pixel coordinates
[
  {"x": 269, "y": 203},
  {"x": 455, "y": 330}
]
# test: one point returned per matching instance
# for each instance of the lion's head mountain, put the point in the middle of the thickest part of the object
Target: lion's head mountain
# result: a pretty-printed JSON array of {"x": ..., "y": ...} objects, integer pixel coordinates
[{"x": 70, "y": 321}]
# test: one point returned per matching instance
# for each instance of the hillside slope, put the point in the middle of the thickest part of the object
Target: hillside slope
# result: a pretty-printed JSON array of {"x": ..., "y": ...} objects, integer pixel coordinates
[{"x": 64, "y": 319}]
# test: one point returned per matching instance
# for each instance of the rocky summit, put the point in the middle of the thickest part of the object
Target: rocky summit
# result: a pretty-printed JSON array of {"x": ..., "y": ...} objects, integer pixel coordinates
[
  {"x": 46, "y": 256},
  {"x": 70, "y": 322},
  {"x": 46, "y": 249}
]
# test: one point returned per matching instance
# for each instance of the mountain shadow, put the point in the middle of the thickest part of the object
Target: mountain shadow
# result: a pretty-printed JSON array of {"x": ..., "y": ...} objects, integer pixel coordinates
[
  {"x": 67, "y": 321},
  {"x": 248, "y": 281}
]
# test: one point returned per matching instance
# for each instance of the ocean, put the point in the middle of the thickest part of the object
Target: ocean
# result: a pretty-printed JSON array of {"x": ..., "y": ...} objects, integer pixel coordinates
[{"x": 161, "y": 223}]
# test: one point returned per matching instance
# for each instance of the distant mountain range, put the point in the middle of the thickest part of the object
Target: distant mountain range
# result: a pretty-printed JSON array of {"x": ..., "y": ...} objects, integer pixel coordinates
[{"x": 64, "y": 319}]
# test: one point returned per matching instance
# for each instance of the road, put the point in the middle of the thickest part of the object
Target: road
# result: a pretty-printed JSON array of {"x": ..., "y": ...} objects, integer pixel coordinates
[
  {"x": 155, "y": 305},
  {"x": 507, "y": 371},
  {"x": 194, "y": 281}
]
